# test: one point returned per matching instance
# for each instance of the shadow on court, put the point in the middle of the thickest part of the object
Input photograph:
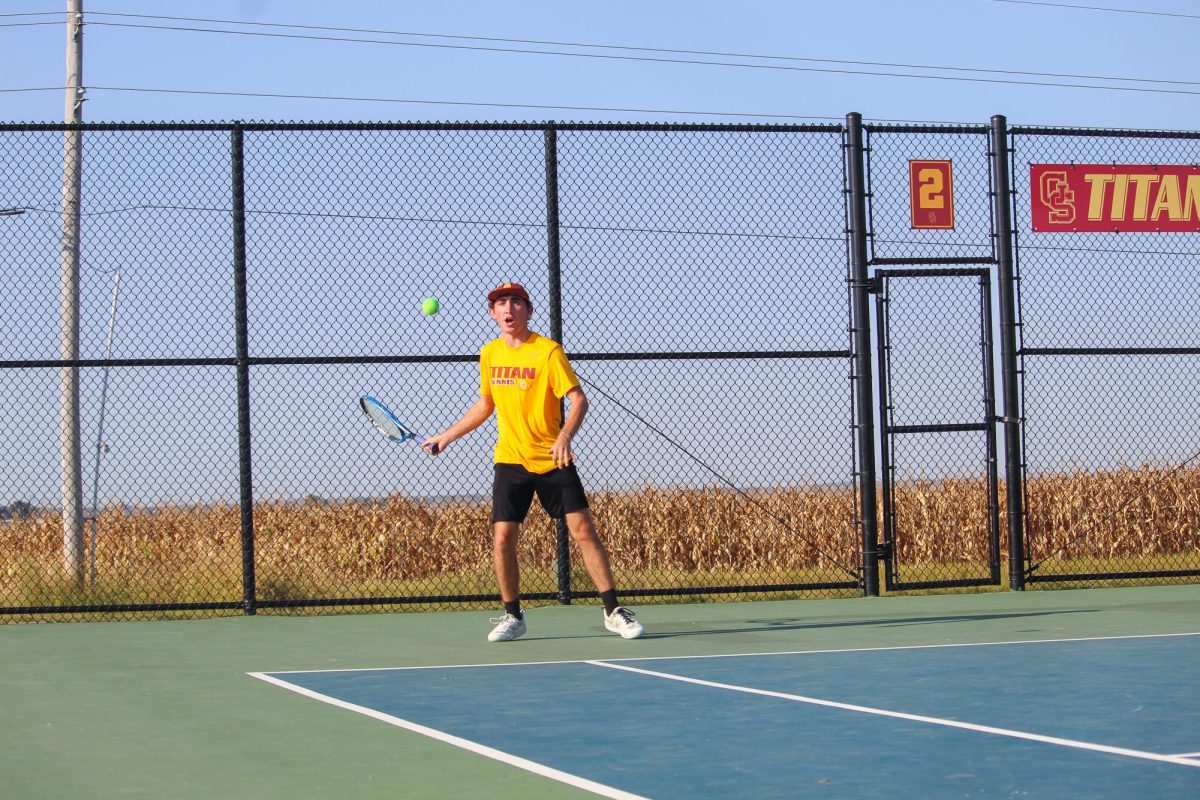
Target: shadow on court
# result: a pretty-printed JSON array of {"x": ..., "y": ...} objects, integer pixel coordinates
[{"x": 795, "y": 624}]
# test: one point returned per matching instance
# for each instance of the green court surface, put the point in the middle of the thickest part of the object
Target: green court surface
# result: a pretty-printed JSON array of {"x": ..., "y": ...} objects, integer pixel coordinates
[{"x": 168, "y": 709}]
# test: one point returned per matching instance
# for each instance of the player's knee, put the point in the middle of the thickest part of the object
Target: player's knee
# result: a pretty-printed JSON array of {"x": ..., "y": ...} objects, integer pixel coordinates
[
  {"x": 505, "y": 536},
  {"x": 582, "y": 529}
]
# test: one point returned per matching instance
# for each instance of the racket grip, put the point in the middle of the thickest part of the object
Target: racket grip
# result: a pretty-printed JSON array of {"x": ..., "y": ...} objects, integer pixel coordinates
[{"x": 433, "y": 450}]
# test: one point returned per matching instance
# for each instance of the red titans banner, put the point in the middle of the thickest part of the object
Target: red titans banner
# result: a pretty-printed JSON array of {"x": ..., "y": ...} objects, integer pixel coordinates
[
  {"x": 1114, "y": 197},
  {"x": 931, "y": 194}
]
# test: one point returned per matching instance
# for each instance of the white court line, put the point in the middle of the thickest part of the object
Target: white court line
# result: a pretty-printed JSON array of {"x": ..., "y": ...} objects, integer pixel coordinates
[
  {"x": 743, "y": 655},
  {"x": 466, "y": 744},
  {"x": 970, "y": 726}
]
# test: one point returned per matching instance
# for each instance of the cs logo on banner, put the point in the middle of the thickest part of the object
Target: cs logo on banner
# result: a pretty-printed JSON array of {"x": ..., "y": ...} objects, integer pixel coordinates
[{"x": 1055, "y": 194}]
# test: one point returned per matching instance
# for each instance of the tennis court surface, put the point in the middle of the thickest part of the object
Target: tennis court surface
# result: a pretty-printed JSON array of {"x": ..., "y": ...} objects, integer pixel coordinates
[{"x": 1089, "y": 693}]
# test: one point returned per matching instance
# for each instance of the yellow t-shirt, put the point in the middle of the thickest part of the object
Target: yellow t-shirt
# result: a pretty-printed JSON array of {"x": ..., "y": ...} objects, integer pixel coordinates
[{"x": 526, "y": 384}]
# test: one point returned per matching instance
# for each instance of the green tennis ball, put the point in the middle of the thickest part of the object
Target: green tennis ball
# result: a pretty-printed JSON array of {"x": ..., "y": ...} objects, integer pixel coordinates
[{"x": 430, "y": 306}]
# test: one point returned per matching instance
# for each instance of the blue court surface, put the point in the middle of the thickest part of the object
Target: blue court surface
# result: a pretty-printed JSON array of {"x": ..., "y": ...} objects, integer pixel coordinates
[{"x": 1110, "y": 717}]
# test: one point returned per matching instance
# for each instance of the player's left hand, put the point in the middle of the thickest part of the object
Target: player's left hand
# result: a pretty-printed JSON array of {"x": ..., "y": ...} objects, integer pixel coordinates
[{"x": 561, "y": 451}]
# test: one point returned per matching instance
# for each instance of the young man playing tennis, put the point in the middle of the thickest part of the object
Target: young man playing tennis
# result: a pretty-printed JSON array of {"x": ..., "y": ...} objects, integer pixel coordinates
[{"x": 523, "y": 378}]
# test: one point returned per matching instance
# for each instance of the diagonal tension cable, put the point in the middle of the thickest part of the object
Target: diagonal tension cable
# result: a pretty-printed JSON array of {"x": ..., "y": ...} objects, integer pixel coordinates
[
  {"x": 1092, "y": 528},
  {"x": 745, "y": 495}
]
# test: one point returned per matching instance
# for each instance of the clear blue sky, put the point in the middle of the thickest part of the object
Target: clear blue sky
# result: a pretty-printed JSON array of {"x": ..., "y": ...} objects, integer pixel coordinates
[{"x": 1156, "y": 44}]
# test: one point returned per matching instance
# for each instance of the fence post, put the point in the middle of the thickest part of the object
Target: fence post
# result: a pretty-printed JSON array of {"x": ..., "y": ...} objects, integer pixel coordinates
[
  {"x": 1013, "y": 465},
  {"x": 554, "y": 267},
  {"x": 245, "y": 474},
  {"x": 860, "y": 288}
]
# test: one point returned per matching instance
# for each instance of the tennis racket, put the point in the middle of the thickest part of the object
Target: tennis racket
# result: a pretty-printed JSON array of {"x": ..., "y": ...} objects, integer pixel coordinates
[{"x": 388, "y": 423}]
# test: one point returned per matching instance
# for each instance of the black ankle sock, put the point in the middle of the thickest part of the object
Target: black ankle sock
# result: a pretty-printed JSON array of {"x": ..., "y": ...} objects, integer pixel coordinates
[
  {"x": 609, "y": 599},
  {"x": 514, "y": 608}
]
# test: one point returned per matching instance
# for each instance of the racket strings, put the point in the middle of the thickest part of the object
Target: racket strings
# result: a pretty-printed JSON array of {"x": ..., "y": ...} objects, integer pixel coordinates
[
  {"x": 384, "y": 422},
  {"x": 386, "y": 427},
  {"x": 737, "y": 489}
]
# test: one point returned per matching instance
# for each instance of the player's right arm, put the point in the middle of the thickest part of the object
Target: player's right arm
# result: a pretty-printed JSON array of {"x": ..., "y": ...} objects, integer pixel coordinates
[{"x": 476, "y": 415}]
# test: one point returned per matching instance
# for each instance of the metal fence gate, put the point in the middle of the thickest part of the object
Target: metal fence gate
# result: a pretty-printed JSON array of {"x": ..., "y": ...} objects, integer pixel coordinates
[
  {"x": 937, "y": 398},
  {"x": 939, "y": 255}
]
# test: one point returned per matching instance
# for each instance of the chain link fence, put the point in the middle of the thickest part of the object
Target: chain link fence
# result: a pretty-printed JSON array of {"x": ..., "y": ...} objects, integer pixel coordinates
[
  {"x": 696, "y": 278},
  {"x": 240, "y": 286},
  {"x": 1110, "y": 336}
]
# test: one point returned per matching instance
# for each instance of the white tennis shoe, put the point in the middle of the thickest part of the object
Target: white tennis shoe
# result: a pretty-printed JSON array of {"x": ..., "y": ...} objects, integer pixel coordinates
[
  {"x": 622, "y": 621},
  {"x": 507, "y": 628}
]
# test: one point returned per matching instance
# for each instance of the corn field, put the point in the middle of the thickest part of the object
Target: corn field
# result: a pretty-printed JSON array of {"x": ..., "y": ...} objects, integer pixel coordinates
[{"x": 401, "y": 546}]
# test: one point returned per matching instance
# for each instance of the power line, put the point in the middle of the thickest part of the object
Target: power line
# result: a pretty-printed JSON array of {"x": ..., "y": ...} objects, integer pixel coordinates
[
  {"x": 867, "y": 73},
  {"x": 589, "y": 108},
  {"x": 694, "y": 62},
  {"x": 447, "y": 102},
  {"x": 592, "y": 55},
  {"x": 555, "y": 43},
  {"x": 1101, "y": 8},
  {"x": 433, "y": 102}
]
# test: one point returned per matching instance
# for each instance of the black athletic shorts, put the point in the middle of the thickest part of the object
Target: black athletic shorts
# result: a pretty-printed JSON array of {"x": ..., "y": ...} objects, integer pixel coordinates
[{"x": 559, "y": 490}]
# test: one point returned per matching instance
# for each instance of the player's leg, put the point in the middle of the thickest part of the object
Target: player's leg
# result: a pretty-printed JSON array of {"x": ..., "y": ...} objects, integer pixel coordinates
[
  {"x": 595, "y": 558},
  {"x": 512, "y": 494},
  {"x": 504, "y": 559},
  {"x": 617, "y": 619},
  {"x": 561, "y": 493}
]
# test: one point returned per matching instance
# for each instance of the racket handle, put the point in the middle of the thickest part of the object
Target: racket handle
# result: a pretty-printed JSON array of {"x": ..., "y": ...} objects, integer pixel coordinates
[{"x": 433, "y": 451}]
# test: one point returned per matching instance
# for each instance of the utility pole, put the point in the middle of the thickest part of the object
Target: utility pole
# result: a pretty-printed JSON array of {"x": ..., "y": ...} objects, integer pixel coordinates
[{"x": 68, "y": 304}]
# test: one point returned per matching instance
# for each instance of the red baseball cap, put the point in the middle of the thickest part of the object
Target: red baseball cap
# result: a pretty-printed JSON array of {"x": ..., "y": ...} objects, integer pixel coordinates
[{"x": 508, "y": 289}]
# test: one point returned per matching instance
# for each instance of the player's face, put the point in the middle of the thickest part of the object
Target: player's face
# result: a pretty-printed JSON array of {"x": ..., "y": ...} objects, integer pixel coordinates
[{"x": 511, "y": 314}]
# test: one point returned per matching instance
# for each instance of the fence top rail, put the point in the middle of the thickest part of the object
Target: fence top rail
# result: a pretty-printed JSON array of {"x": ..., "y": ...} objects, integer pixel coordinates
[
  {"x": 421, "y": 126},
  {"x": 875, "y": 127},
  {"x": 1117, "y": 133},
  {"x": 701, "y": 126}
]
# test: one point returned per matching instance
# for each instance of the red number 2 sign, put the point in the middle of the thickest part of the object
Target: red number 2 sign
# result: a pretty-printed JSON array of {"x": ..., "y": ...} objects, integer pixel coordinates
[{"x": 931, "y": 194}]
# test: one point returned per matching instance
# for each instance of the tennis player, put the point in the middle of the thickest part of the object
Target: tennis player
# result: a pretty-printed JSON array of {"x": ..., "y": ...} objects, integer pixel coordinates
[{"x": 523, "y": 377}]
